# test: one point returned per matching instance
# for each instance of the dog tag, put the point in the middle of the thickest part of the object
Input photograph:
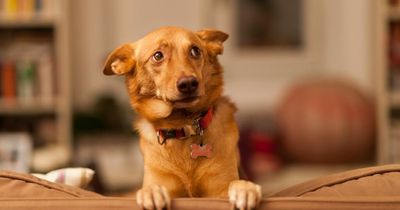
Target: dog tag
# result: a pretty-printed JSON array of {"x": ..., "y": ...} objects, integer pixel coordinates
[{"x": 198, "y": 150}]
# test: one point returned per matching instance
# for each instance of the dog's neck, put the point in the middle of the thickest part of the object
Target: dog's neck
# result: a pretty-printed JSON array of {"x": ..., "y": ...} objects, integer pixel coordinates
[
  {"x": 178, "y": 118},
  {"x": 183, "y": 124}
]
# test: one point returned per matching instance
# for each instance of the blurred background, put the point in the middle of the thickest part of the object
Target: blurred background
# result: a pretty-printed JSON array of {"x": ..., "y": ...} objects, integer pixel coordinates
[{"x": 315, "y": 81}]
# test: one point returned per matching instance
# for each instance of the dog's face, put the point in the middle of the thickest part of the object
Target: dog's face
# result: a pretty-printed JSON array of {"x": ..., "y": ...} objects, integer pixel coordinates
[{"x": 173, "y": 65}]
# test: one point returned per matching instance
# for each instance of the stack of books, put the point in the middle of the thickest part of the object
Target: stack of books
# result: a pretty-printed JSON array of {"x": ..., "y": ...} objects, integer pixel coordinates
[
  {"x": 26, "y": 9},
  {"x": 27, "y": 74}
]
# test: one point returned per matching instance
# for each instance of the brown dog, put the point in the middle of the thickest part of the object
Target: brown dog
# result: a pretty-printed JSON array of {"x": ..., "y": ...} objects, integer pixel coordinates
[{"x": 187, "y": 130}]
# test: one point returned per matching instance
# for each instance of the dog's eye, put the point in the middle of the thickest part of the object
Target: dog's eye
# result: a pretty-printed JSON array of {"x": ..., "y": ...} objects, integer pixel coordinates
[
  {"x": 158, "y": 56},
  {"x": 195, "y": 52}
]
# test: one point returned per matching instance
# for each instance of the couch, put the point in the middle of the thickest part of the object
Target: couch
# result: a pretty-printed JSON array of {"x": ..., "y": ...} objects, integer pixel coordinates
[{"x": 366, "y": 188}]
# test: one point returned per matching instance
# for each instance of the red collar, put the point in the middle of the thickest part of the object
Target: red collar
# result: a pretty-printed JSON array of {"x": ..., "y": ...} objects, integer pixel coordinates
[{"x": 196, "y": 129}]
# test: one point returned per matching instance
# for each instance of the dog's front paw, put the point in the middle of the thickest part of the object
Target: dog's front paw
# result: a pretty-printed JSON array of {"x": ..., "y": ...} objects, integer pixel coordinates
[
  {"x": 153, "y": 197},
  {"x": 244, "y": 194}
]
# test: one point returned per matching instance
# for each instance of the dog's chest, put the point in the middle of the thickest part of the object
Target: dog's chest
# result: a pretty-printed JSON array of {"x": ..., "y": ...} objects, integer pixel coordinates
[{"x": 189, "y": 153}]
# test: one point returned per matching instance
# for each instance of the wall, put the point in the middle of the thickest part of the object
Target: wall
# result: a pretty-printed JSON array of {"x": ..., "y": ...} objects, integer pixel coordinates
[
  {"x": 87, "y": 51},
  {"x": 98, "y": 26},
  {"x": 338, "y": 38},
  {"x": 348, "y": 41}
]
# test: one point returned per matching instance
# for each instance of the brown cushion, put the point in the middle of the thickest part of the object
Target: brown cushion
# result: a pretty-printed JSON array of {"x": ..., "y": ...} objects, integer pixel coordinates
[
  {"x": 373, "y": 181},
  {"x": 16, "y": 185}
]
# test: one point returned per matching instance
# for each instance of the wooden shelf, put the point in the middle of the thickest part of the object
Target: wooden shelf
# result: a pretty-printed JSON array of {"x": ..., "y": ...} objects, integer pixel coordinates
[
  {"x": 35, "y": 22},
  {"x": 45, "y": 30},
  {"x": 387, "y": 100},
  {"x": 24, "y": 108}
]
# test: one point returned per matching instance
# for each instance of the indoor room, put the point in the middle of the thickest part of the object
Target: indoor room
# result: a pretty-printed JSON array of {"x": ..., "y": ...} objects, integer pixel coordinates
[{"x": 314, "y": 83}]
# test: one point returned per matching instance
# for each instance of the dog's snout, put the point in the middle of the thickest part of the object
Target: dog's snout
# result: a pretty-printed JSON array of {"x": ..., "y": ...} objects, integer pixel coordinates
[{"x": 187, "y": 85}]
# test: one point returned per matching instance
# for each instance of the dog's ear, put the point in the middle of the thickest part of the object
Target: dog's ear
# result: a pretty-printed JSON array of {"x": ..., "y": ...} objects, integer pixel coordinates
[
  {"x": 214, "y": 40},
  {"x": 120, "y": 61}
]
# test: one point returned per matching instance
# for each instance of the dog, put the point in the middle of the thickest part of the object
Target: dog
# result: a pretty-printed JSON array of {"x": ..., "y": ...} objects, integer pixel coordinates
[{"x": 188, "y": 134}]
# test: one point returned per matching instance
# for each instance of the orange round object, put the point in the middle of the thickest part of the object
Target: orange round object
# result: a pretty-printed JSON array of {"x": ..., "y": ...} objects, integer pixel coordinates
[{"x": 327, "y": 122}]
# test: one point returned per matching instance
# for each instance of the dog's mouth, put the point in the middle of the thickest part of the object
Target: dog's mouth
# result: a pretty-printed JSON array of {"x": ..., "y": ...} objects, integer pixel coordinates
[{"x": 186, "y": 101}]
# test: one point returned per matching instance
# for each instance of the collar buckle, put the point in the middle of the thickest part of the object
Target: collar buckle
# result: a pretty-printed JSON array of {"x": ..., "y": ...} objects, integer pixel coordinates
[
  {"x": 199, "y": 130},
  {"x": 161, "y": 140}
]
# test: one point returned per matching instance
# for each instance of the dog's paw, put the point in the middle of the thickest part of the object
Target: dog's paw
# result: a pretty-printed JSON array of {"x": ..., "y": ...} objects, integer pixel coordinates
[
  {"x": 244, "y": 194},
  {"x": 153, "y": 197}
]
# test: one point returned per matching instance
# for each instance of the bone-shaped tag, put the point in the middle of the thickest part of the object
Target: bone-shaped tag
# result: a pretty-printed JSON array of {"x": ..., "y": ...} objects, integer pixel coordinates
[{"x": 200, "y": 151}]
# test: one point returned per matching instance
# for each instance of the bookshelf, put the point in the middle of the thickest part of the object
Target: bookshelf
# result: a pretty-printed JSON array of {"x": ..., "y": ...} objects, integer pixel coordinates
[
  {"x": 34, "y": 78},
  {"x": 388, "y": 80}
]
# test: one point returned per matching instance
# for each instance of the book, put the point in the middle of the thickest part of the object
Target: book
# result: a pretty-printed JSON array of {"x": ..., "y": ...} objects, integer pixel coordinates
[
  {"x": 45, "y": 74},
  {"x": 8, "y": 81},
  {"x": 26, "y": 8},
  {"x": 38, "y": 6},
  {"x": 10, "y": 8},
  {"x": 26, "y": 81}
]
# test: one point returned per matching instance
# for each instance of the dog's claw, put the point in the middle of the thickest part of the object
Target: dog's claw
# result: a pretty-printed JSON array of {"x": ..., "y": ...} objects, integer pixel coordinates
[
  {"x": 244, "y": 195},
  {"x": 153, "y": 197}
]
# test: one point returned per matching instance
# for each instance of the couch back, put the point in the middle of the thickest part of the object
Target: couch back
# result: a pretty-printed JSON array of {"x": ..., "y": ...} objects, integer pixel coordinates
[{"x": 368, "y": 188}]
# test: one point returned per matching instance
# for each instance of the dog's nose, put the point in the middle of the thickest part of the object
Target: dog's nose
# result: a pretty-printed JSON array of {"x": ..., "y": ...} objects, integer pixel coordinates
[{"x": 187, "y": 85}]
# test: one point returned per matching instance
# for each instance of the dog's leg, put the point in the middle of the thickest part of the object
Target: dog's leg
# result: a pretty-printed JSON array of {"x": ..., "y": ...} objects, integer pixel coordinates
[
  {"x": 244, "y": 194},
  {"x": 153, "y": 197}
]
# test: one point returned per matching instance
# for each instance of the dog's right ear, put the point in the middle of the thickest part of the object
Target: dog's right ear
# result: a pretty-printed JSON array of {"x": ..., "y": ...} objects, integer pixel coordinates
[{"x": 120, "y": 61}]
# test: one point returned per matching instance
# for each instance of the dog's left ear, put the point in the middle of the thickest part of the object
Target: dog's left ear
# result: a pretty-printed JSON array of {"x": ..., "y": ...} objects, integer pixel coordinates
[
  {"x": 120, "y": 61},
  {"x": 214, "y": 40}
]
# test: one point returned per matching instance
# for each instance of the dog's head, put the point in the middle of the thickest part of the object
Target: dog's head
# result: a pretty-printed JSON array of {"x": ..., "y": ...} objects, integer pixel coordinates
[{"x": 171, "y": 65}]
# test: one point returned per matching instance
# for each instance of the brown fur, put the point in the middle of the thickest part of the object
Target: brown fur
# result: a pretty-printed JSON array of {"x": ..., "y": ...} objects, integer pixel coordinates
[{"x": 154, "y": 95}]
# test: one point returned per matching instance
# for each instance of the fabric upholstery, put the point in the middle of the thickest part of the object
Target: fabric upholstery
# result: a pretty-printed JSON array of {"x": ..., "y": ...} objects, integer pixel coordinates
[
  {"x": 369, "y": 188},
  {"x": 372, "y": 181},
  {"x": 15, "y": 185}
]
